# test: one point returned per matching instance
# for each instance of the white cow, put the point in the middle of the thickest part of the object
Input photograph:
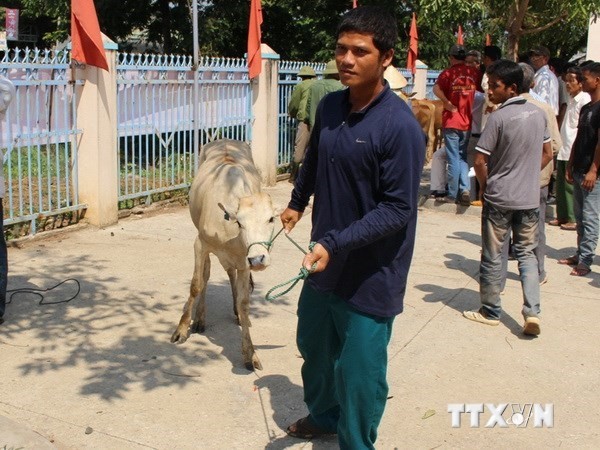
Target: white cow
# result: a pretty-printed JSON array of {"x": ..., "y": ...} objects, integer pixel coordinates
[{"x": 235, "y": 221}]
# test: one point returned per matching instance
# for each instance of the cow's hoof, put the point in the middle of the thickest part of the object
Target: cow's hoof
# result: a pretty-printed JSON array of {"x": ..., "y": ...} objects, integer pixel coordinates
[
  {"x": 197, "y": 328},
  {"x": 180, "y": 337},
  {"x": 254, "y": 364}
]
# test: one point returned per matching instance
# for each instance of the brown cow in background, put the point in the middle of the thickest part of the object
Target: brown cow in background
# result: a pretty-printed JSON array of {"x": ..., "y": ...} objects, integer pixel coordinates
[{"x": 429, "y": 116}]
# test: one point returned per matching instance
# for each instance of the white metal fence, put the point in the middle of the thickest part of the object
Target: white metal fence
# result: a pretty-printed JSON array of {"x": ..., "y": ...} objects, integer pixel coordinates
[
  {"x": 39, "y": 141},
  {"x": 155, "y": 95}
]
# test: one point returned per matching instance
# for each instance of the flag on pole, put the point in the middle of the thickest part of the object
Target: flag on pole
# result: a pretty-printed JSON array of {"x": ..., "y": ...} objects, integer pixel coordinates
[
  {"x": 254, "y": 35},
  {"x": 354, "y": 4},
  {"x": 488, "y": 40},
  {"x": 413, "y": 46},
  {"x": 86, "y": 40},
  {"x": 459, "y": 37}
]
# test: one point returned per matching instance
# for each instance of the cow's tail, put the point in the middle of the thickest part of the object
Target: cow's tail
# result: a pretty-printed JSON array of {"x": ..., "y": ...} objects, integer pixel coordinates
[{"x": 251, "y": 284}]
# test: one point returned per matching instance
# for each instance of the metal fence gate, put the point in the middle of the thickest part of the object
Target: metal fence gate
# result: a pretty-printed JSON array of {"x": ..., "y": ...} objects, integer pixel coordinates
[
  {"x": 156, "y": 118},
  {"x": 39, "y": 141}
]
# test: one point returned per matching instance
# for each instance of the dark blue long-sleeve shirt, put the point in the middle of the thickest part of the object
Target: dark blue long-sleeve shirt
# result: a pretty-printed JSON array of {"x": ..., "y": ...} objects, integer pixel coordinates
[{"x": 364, "y": 170}]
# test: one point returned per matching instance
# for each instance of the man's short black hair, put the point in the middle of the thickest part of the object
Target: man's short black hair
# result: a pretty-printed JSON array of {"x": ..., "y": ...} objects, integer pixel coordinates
[
  {"x": 508, "y": 72},
  {"x": 558, "y": 64},
  {"x": 575, "y": 70},
  {"x": 493, "y": 52},
  {"x": 593, "y": 68},
  {"x": 374, "y": 20}
]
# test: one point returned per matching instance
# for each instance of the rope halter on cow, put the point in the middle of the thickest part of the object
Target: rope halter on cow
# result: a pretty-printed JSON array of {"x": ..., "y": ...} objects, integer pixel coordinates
[{"x": 266, "y": 244}]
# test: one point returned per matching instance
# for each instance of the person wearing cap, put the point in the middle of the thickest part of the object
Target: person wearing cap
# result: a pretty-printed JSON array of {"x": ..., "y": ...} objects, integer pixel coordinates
[
  {"x": 7, "y": 93},
  {"x": 456, "y": 87},
  {"x": 297, "y": 110},
  {"x": 546, "y": 83},
  {"x": 320, "y": 88}
]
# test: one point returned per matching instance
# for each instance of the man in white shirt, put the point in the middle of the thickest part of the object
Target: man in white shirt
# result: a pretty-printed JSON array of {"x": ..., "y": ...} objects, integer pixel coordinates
[
  {"x": 565, "y": 216},
  {"x": 546, "y": 83}
]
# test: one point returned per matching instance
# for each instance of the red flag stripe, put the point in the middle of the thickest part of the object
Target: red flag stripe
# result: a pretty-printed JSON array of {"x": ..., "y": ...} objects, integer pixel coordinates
[
  {"x": 86, "y": 41},
  {"x": 413, "y": 46},
  {"x": 459, "y": 37},
  {"x": 254, "y": 38}
]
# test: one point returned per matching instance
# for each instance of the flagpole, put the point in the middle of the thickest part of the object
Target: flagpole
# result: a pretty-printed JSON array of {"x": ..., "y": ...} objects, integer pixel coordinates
[{"x": 195, "y": 89}]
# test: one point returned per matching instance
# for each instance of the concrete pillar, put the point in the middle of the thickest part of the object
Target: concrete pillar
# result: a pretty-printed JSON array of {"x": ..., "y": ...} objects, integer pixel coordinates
[
  {"x": 265, "y": 111},
  {"x": 97, "y": 147},
  {"x": 593, "y": 41},
  {"x": 420, "y": 83}
]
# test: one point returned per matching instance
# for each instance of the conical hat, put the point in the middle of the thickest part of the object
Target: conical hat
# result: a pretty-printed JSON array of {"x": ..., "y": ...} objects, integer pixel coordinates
[{"x": 395, "y": 78}]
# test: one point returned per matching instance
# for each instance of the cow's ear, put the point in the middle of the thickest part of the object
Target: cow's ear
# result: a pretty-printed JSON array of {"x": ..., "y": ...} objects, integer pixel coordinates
[{"x": 228, "y": 215}]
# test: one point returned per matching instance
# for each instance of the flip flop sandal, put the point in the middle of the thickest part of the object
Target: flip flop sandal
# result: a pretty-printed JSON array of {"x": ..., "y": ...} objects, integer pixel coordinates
[
  {"x": 570, "y": 261},
  {"x": 305, "y": 429},
  {"x": 580, "y": 271}
]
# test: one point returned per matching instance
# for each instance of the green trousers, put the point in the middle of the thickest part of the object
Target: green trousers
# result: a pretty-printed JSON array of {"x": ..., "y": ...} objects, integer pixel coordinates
[
  {"x": 345, "y": 365},
  {"x": 564, "y": 194}
]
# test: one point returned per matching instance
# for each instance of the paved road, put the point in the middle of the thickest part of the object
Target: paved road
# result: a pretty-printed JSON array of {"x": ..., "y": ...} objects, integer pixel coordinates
[{"x": 99, "y": 372}]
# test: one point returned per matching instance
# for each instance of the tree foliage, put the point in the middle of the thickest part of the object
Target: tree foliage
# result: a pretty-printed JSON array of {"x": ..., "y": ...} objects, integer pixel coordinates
[{"x": 304, "y": 30}]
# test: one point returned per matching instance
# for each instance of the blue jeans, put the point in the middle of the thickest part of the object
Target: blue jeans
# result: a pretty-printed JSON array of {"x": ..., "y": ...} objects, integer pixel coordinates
[
  {"x": 3, "y": 265},
  {"x": 586, "y": 206},
  {"x": 540, "y": 250},
  {"x": 345, "y": 365},
  {"x": 496, "y": 225},
  {"x": 458, "y": 169}
]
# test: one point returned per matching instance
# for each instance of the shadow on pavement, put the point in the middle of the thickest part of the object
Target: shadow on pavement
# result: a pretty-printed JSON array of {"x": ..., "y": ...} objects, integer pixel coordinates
[{"x": 120, "y": 337}]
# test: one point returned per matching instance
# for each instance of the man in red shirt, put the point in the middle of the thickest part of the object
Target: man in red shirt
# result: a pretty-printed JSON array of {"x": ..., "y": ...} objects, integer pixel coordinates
[{"x": 456, "y": 87}]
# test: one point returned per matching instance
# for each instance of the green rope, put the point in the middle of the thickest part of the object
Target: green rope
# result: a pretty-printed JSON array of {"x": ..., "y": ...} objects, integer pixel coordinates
[
  {"x": 267, "y": 244},
  {"x": 303, "y": 275}
]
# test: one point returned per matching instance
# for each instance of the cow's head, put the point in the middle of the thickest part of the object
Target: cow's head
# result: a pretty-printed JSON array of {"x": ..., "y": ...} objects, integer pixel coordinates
[{"x": 256, "y": 219}]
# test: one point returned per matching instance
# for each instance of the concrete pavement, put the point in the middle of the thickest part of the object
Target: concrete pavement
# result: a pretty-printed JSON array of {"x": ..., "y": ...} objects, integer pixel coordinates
[{"x": 99, "y": 372}]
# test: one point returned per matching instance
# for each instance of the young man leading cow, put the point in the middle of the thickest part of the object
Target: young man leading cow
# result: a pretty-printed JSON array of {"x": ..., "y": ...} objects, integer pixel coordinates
[{"x": 363, "y": 165}]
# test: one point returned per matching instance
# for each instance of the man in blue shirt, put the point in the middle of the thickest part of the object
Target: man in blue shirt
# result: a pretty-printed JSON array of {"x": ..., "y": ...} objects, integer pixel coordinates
[{"x": 363, "y": 165}]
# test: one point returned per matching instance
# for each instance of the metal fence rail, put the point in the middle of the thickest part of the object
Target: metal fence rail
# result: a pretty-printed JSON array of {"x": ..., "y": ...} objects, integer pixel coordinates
[
  {"x": 156, "y": 117},
  {"x": 39, "y": 140}
]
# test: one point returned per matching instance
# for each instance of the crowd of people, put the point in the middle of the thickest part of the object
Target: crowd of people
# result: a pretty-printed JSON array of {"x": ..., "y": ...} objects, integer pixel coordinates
[{"x": 503, "y": 120}]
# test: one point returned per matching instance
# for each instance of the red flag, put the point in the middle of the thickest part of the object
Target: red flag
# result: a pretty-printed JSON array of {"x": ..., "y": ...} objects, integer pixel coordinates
[
  {"x": 459, "y": 37},
  {"x": 254, "y": 55},
  {"x": 488, "y": 40},
  {"x": 354, "y": 4},
  {"x": 413, "y": 46},
  {"x": 86, "y": 41}
]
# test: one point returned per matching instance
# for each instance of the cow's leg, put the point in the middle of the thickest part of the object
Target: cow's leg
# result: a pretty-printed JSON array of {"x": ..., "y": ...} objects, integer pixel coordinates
[
  {"x": 251, "y": 360},
  {"x": 232, "y": 274},
  {"x": 198, "y": 285},
  {"x": 199, "y": 322}
]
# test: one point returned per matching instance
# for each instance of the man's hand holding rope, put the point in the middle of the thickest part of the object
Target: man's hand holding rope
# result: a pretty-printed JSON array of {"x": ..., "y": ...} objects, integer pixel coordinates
[{"x": 319, "y": 255}]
